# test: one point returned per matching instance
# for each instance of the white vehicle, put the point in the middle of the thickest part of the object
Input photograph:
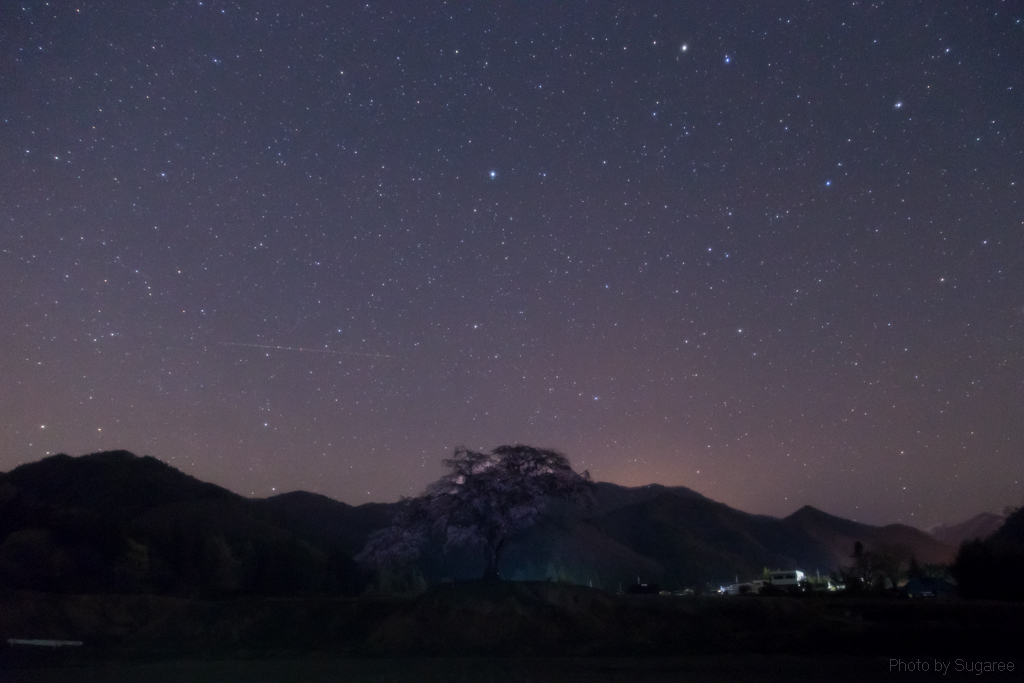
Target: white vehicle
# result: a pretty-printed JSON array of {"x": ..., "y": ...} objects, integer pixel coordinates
[{"x": 790, "y": 579}]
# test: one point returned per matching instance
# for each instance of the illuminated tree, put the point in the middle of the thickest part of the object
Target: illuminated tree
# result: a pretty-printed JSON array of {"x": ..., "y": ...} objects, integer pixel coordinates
[{"x": 481, "y": 502}]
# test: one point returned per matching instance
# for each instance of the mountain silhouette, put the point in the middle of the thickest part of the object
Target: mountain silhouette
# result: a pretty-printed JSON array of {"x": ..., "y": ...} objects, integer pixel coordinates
[
  {"x": 678, "y": 538},
  {"x": 981, "y": 526},
  {"x": 839, "y": 535},
  {"x": 328, "y": 521},
  {"x": 116, "y": 522}
]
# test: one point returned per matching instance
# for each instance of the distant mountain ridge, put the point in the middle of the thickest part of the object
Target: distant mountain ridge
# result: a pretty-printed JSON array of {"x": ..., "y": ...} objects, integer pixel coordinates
[
  {"x": 113, "y": 521},
  {"x": 840, "y": 534},
  {"x": 980, "y": 526}
]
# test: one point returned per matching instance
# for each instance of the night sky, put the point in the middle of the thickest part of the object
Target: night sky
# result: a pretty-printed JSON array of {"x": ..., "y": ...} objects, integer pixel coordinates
[{"x": 769, "y": 251}]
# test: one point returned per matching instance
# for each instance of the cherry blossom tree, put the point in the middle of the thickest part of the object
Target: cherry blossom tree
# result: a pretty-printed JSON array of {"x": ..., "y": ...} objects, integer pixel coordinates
[{"x": 483, "y": 500}]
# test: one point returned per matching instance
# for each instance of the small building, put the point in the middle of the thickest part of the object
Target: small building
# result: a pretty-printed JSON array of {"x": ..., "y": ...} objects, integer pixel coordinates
[{"x": 789, "y": 580}]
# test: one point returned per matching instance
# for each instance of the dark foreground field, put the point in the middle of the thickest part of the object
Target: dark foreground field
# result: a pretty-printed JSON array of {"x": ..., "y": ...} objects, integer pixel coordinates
[
  {"x": 696, "y": 669},
  {"x": 504, "y": 631}
]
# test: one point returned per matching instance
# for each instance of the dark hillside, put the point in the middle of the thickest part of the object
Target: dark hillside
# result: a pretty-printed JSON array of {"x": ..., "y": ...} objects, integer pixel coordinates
[
  {"x": 328, "y": 521},
  {"x": 980, "y": 526},
  {"x": 580, "y": 553},
  {"x": 1012, "y": 530},
  {"x": 115, "y": 522},
  {"x": 116, "y": 483},
  {"x": 992, "y": 568},
  {"x": 677, "y": 538},
  {"x": 699, "y": 541},
  {"x": 839, "y": 535}
]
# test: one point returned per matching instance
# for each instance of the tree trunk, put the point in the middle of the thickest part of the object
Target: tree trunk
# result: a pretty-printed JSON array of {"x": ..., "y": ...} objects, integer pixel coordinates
[
  {"x": 491, "y": 573},
  {"x": 493, "y": 554}
]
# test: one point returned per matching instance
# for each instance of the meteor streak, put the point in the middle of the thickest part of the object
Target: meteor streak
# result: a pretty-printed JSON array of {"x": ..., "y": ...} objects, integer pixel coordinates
[{"x": 299, "y": 348}]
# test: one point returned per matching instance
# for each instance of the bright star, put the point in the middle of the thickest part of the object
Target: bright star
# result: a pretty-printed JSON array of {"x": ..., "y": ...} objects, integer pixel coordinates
[{"x": 494, "y": 174}]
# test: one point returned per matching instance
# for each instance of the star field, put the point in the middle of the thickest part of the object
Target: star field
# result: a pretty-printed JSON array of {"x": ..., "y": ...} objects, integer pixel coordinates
[{"x": 769, "y": 251}]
